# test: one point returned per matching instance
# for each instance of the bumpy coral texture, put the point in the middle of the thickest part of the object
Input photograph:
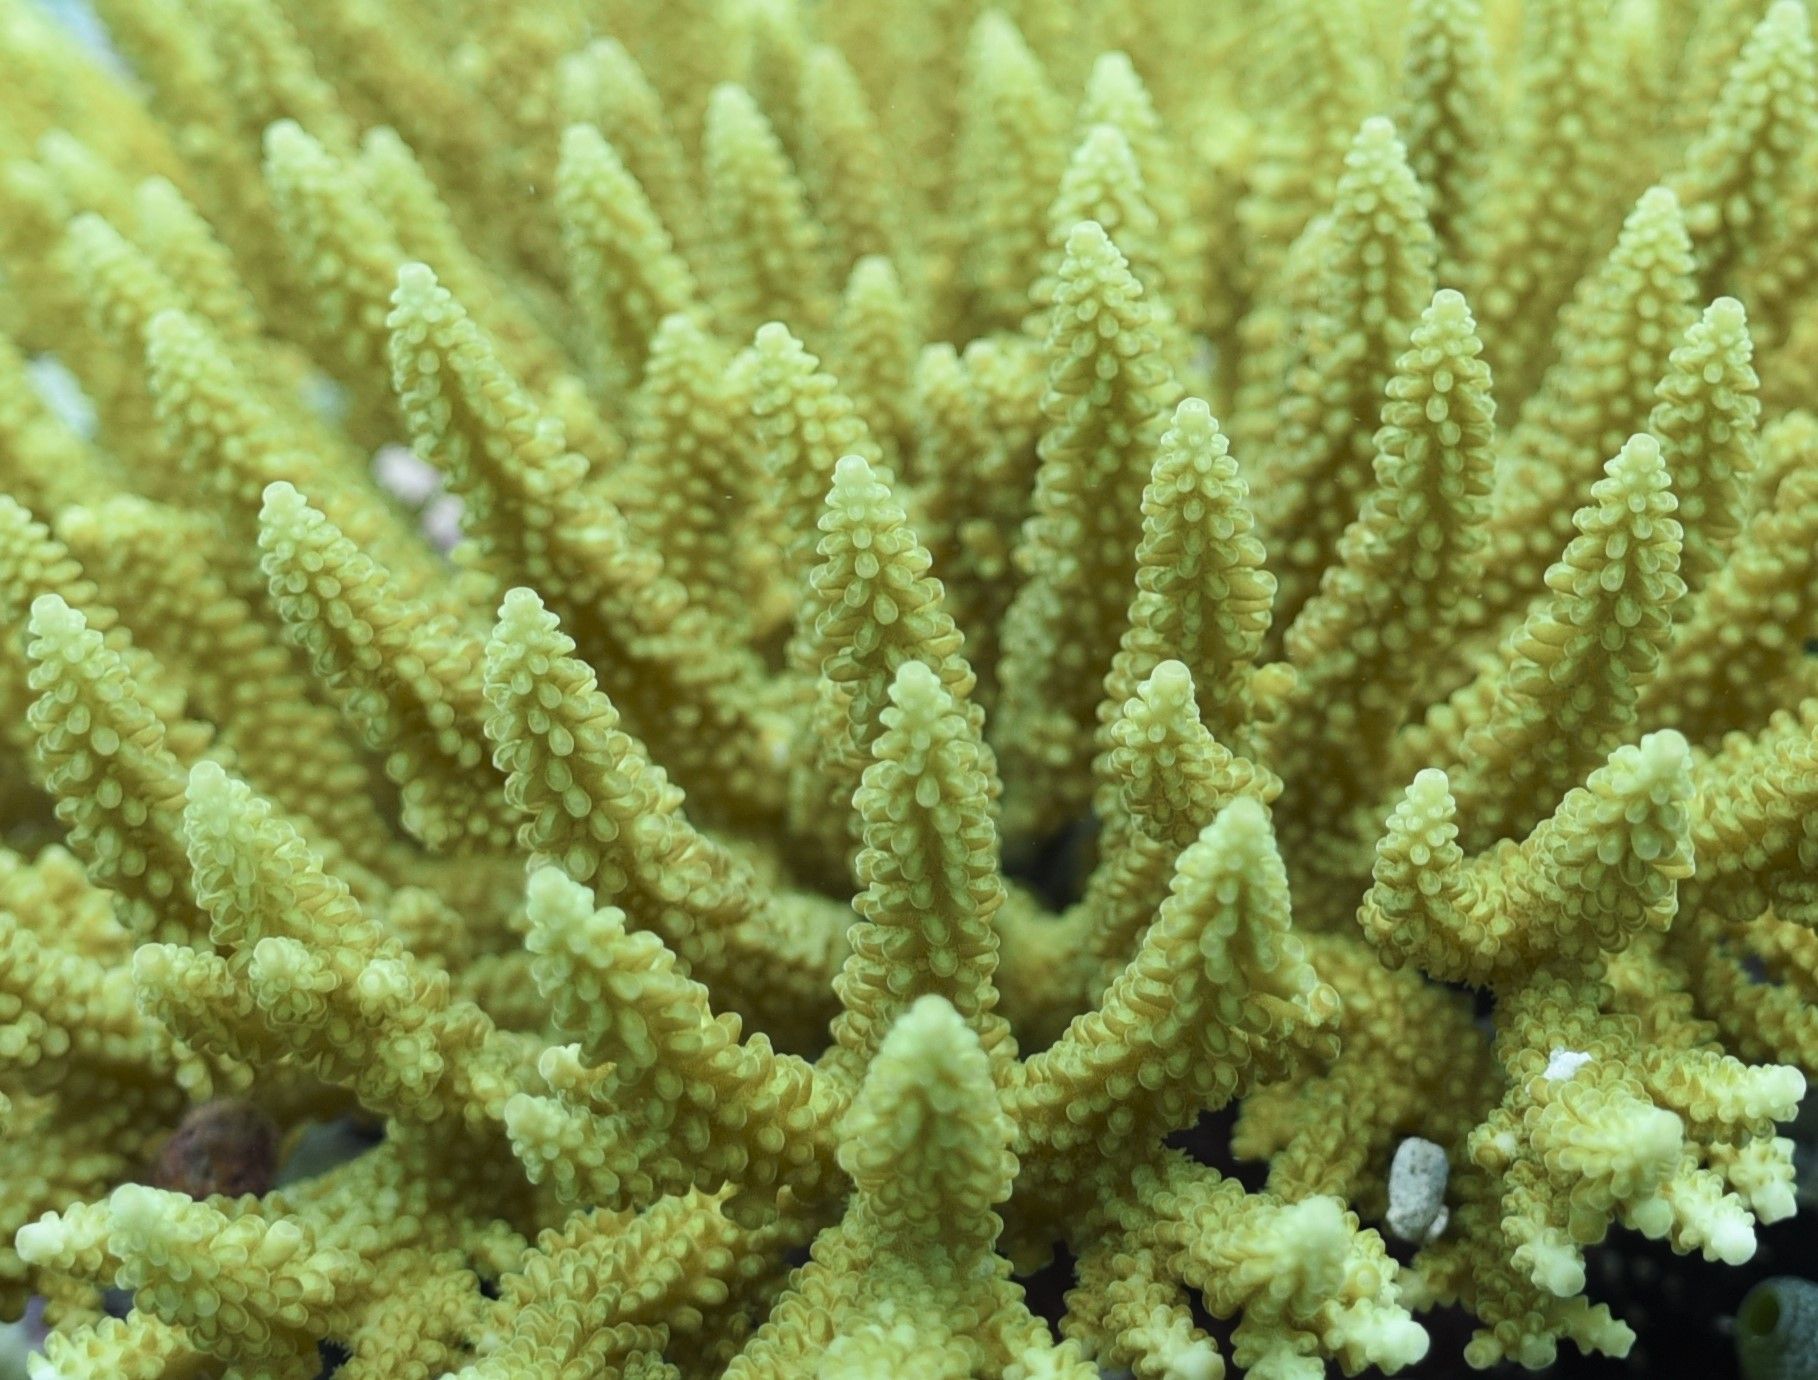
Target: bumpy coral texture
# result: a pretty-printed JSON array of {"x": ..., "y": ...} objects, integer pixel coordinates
[{"x": 996, "y": 581}]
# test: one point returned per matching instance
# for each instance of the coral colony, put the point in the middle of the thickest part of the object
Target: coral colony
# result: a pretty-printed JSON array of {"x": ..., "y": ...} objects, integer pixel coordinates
[{"x": 1024, "y": 575}]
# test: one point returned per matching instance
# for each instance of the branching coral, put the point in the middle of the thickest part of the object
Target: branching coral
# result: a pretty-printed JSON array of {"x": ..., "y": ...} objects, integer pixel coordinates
[{"x": 1025, "y": 576}]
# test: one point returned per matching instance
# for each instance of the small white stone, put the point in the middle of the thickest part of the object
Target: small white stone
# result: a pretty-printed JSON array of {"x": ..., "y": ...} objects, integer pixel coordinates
[
  {"x": 406, "y": 476},
  {"x": 442, "y": 522},
  {"x": 1417, "y": 1190},
  {"x": 58, "y": 390}
]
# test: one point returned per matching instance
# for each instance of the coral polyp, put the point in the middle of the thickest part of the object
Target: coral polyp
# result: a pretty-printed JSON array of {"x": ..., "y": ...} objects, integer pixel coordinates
[{"x": 787, "y": 664}]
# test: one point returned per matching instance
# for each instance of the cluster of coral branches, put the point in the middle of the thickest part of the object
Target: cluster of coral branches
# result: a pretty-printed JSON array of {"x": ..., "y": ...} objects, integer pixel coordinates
[{"x": 1023, "y": 576}]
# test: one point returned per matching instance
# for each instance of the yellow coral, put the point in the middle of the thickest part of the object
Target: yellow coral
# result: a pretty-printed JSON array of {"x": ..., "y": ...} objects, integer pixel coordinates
[{"x": 768, "y": 646}]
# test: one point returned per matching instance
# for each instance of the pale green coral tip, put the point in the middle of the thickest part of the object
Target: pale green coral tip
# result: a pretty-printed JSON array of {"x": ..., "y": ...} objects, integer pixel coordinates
[
  {"x": 282, "y": 504},
  {"x": 140, "y": 1212},
  {"x": 417, "y": 286},
  {"x": 1240, "y": 832},
  {"x": 1784, "y": 17},
  {"x": 1637, "y": 466},
  {"x": 1431, "y": 785},
  {"x": 1656, "y": 203},
  {"x": 1113, "y": 67},
  {"x": 1088, "y": 240},
  {"x": 730, "y": 101},
  {"x": 91, "y": 233},
  {"x": 40, "y": 1242},
  {"x": 773, "y": 337},
  {"x": 287, "y": 139},
  {"x": 1659, "y": 759},
  {"x": 874, "y": 273},
  {"x": 281, "y": 964},
  {"x": 169, "y": 331},
  {"x": 1169, "y": 687},
  {"x": 928, "y": 1028},
  {"x": 55, "y": 621},
  {"x": 680, "y": 334},
  {"x": 916, "y": 688},
  {"x": 1312, "y": 1237},
  {"x": 851, "y": 472},
  {"x": 1377, "y": 135},
  {"x": 1727, "y": 316},
  {"x": 154, "y": 964},
  {"x": 1450, "y": 307},
  {"x": 522, "y": 612},
  {"x": 212, "y": 788},
  {"x": 1193, "y": 426},
  {"x": 566, "y": 917},
  {"x": 1104, "y": 143},
  {"x": 582, "y": 140},
  {"x": 551, "y": 894},
  {"x": 385, "y": 142}
]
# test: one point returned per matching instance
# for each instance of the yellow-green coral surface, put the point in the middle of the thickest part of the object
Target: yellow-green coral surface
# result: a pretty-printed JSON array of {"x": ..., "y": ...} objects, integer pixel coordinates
[{"x": 774, "y": 641}]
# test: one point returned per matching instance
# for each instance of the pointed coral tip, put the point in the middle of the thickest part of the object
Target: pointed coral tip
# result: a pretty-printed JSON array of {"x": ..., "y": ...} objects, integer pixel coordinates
[
  {"x": 1169, "y": 686},
  {"x": 1663, "y": 755},
  {"x": 850, "y": 471},
  {"x": 550, "y": 892},
  {"x": 1431, "y": 786},
  {"x": 90, "y": 229},
  {"x": 281, "y": 498},
  {"x": 169, "y": 328},
  {"x": 1658, "y": 201},
  {"x": 916, "y": 687},
  {"x": 1195, "y": 414},
  {"x": 1727, "y": 315},
  {"x": 209, "y": 782},
  {"x": 286, "y": 137},
  {"x": 51, "y": 617},
  {"x": 416, "y": 281},
  {"x": 1450, "y": 304},
  {"x": 1636, "y": 462},
  {"x": 1240, "y": 830},
  {"x": 580, "y": 139},
  {"x": 522, "y": 607},
  {"x": 1088, "y": 238}
]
